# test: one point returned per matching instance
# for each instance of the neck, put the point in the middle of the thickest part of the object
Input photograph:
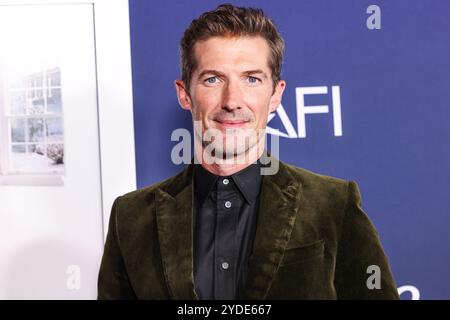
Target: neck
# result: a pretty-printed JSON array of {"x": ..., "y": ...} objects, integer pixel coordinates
[{"x": 230, "y": 166}]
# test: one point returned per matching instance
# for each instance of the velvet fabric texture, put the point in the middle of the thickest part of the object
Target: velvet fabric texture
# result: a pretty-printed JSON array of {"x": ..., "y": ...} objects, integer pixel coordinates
[{"x": 313, "y": 241}]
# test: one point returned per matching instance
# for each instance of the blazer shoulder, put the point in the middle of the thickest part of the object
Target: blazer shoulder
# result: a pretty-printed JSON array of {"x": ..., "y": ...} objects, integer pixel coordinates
[
  {"x": 310, "y": 178},
  {"x": 136, "y": 200},
  {"x": 332, "y": 194}
]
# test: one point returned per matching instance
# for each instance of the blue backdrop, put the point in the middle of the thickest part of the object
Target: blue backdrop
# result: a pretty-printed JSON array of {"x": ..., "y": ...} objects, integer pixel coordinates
[{"x": 395, "y": 106}]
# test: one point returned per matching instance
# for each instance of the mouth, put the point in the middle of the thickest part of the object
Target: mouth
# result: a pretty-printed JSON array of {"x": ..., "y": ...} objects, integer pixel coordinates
[{"x": 236, "y": 123}]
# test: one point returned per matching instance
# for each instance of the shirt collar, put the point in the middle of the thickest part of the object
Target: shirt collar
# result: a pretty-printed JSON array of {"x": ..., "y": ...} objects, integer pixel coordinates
[
  {"x": 204, "y": 182},
  {"x": 248, "y": 181}
]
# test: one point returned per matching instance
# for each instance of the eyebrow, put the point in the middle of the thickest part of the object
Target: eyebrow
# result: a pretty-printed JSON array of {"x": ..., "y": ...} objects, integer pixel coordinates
[
  {"x": 255, "y": 72},
  {"x": 209, "y": 71},
  {"x": 221, "y": 74}
]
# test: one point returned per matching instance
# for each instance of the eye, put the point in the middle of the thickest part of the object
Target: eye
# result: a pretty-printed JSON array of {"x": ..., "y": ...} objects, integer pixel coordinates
[
  {"x": 212, "y": 80},
  {"x": 253, "y": 80}
]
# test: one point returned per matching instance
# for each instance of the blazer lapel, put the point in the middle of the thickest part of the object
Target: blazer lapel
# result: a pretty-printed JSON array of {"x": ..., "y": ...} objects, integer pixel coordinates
[
  {"x": 174, "y": 224},
  {"x": 279, "y": 203}
]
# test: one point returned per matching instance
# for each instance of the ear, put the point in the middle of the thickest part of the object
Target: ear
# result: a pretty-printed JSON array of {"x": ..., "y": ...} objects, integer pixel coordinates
[
  {"x": 183, "y": 95},
  {"x": 275, "y": 100}
]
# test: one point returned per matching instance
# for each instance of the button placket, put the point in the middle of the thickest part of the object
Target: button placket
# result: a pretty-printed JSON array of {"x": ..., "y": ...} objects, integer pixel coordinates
[{"x": 227, "y": 207}]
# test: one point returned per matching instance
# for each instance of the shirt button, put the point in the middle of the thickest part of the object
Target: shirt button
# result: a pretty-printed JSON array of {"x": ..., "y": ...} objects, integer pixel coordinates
[
  {"x": 225, "y": 181},
  {"x": 227, "y": 204},
  {"x": 225, "y": 265}
]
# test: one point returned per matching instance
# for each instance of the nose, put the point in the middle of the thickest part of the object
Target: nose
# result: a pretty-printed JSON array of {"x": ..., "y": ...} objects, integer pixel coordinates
[{"x": 232, "y": 96}]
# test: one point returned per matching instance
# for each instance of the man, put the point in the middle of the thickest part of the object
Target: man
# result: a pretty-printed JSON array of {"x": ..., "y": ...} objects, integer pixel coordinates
[{"x": 221, "y": 229}]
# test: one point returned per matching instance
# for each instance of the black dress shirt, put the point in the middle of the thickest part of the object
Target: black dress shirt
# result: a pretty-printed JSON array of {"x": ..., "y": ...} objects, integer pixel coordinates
[{"x": 225, "y": 218}]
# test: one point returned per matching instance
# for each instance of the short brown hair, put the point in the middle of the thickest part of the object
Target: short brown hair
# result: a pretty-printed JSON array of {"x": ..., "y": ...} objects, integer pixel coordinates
[{"x": 228, "y": 20}]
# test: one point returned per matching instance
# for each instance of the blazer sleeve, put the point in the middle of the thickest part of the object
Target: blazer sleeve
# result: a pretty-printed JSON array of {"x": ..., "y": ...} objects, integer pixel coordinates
[
  {"x": 113, "y": 281},
  {"x": 362, "y": 267}
]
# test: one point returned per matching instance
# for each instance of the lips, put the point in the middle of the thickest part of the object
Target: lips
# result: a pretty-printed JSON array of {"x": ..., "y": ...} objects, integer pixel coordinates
[{"x": 232, "y": 123}]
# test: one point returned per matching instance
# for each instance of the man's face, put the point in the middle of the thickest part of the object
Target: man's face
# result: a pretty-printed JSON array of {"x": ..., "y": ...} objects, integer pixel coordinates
[{"x": 231, "y": 89}]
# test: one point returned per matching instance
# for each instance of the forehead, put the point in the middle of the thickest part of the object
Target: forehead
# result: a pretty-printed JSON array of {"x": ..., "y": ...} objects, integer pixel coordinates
[{"x": 232, "y": 52}]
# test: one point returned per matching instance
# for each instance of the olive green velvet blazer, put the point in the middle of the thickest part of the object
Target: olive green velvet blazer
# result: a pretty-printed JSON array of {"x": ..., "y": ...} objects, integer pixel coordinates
[{"x": 313, "y": 241}]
